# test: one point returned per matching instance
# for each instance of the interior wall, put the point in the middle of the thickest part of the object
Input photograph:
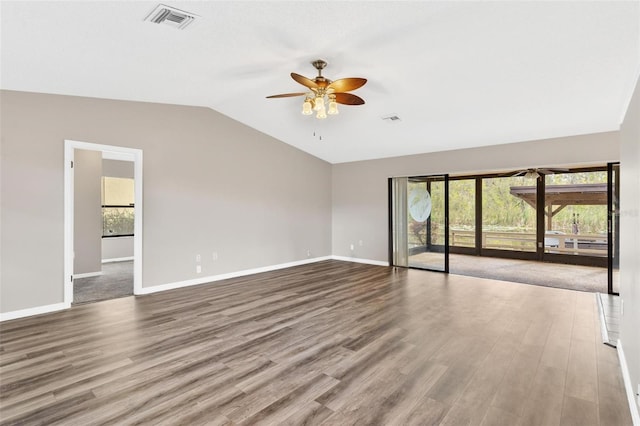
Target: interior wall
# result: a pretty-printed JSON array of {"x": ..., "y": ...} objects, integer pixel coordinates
[
  {"x": 629, "y": 236},
  {"x": 211, "y": 184},
  {"x": 87, "y": 214},
  {"x": 117, "y": 248},
  {"x": 118, "y": 168},
  {"x": 360, "y": 195}
]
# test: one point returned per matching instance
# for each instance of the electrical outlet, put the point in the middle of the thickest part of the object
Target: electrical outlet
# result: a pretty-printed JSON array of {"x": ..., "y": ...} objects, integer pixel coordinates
[
  {"x": 351, "y": 247},
  {"x": 214, "y": 256},
  {"x": 308, "y": 253},
  {"x": 198, "y": 269},
  {"x": 198, "y": 258}
]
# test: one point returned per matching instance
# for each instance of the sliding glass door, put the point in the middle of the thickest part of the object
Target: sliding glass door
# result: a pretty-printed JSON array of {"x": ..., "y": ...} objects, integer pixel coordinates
[
  {"x": 613, "y": 231},
  {"x": 419, "y": 222}
]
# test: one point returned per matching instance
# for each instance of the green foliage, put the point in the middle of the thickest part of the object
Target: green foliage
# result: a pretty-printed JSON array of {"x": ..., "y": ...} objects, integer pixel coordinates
[
  {"x": 117, "y": 221},
  {"x": 503, "y": 212}
]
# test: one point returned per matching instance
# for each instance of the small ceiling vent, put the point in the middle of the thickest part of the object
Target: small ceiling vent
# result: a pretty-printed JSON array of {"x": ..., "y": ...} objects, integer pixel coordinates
[
  {"x": 171, "y": 16},
  {"x": 391, "y": 118}
]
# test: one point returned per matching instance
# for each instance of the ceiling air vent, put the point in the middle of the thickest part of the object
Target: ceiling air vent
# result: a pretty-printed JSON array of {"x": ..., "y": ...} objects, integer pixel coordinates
[
  {"x": 391, "y": 118},
  {"x": 170, "y": 16}
]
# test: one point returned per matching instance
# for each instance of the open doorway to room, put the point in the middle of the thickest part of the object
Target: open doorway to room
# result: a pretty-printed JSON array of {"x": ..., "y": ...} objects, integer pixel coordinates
[
  {"x": 103, "y": 222},
  {"x": 117, "y": 200}
]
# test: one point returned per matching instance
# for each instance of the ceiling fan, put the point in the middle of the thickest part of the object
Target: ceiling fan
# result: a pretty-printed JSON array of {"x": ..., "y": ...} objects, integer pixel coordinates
[
  {"x": 536, "y": 173},
  {"x": 325, "y": 92}
]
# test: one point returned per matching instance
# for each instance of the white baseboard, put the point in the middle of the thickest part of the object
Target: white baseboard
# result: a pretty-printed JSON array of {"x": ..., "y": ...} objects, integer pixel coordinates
[
  {"x": 88, "y": 274},
  {"x": 117, "y": 259},
  {"x": 212, "y": 278},
  {"x": 631, "y": 394},
  {"x": 201, "y": 280},
  {"x": 6, "y": 316},
  {"x": 603, "y": 324},
  {"x": 358, "y": 260}
]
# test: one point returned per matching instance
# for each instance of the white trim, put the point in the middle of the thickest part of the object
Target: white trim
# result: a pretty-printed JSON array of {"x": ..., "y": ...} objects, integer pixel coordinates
[
  {"x": 87, "y": 274},
  {"x": 68, "y": 222},
  {"x": 118, "y": 259},
  {"x": 110, "y": 151},
  {"x": 631, "y": 395},
  {"x": 179, "y": 284},
  {"x": 6, "y": 316},
  {"x": 603, "y": 323},
  {"x": 358, "y": 260},
  {"x": 212, "y": 278}
]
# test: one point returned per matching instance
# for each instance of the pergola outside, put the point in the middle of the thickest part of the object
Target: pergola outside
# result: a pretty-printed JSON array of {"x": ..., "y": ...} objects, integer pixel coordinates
[{"x": 557, "y": 197}]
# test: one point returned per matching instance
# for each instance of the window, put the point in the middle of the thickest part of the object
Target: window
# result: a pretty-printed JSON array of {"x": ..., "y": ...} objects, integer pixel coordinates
[
  {"x": 117, "y": 207},
  {"x": 576, "y": 213},
  {"x": 462, "y": 213},
  {"x": 508, "y": 221}
]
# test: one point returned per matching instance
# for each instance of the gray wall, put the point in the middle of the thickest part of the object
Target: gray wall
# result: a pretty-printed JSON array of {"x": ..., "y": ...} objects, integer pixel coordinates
[
  {"x": 360, "y": 199},
  {"x": 629, "y": 237},
  {"x": 118, "y": 168},
  {"x": 210, "y": 184},
  {"x": 87, "y": 215},
  {"x": 117, "y": 248}
]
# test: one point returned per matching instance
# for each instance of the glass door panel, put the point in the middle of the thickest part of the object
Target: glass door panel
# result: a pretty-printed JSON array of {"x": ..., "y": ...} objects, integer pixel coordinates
[
  {"x": 427, "y": 230},
  {"x": 613, "y": 204},
  {"x": 576, "y": 214},
  {"x": 509, "y": 213},
  {"x": 462, "y": 213}
]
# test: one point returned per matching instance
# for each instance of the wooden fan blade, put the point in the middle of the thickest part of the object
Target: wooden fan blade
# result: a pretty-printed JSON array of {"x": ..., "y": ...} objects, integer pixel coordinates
[
  {"x": 348, "y": 99},
  {"x": 304, "y": 81},
  {"x": 347, "y": 84},
  {"x": 286, "y": 95}
]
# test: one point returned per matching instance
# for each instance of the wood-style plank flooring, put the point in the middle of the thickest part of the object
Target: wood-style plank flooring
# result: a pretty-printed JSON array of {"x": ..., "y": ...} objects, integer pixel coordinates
[{"x": 331, "y": 343}]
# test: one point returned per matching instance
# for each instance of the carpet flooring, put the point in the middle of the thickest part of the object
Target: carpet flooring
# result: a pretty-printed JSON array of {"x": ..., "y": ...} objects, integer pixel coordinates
[
  {"x": 116, "y": 281},
  {"x": 571, "y": 277}
]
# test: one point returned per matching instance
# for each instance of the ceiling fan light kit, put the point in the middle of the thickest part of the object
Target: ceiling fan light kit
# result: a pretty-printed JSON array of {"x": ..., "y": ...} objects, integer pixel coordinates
[
  {"x": 325, "y": 95},
  {"x": 536, "y": 173},
  {"x": 531, "y": 174}
]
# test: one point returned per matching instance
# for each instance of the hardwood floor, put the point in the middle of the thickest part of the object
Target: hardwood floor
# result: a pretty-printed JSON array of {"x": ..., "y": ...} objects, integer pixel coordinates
[{"x": 328, "y": 343}]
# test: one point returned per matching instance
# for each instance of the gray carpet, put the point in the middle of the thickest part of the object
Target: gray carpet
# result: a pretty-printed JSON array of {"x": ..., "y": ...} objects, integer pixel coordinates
[
  {"x": 572, "y": 277},
  {"x": 116, "y": 281}
]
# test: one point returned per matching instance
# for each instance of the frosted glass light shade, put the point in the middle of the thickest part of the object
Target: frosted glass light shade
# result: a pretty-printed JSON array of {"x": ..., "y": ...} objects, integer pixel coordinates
[
  {"x": 306, "y": 107},
  {"x": 319, "y": 103}
]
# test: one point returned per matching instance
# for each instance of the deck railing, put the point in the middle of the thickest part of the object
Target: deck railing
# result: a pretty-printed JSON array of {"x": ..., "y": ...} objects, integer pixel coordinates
[{"x": 580, "y": 244}]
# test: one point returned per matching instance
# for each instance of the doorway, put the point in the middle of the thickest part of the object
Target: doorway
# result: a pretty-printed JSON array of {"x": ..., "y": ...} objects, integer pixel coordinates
[{"x": 71, "y": 266}]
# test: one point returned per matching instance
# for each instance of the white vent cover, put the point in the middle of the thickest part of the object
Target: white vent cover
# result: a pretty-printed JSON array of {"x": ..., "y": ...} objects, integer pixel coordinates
[{"x": 170, "y": 16}]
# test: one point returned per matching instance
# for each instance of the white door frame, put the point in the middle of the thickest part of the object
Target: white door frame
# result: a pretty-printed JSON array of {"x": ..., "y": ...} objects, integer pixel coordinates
[{"x": 113, "y": 152}]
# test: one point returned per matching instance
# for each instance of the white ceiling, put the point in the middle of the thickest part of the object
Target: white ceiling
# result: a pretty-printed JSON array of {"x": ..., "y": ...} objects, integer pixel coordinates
[{"x": 458, "y": 74}]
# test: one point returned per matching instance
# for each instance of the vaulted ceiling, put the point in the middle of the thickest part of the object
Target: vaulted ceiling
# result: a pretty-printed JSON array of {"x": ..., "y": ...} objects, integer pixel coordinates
[{"x": 457, "y": 74}]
